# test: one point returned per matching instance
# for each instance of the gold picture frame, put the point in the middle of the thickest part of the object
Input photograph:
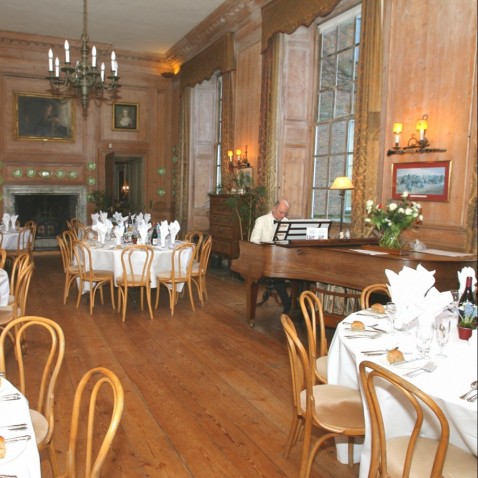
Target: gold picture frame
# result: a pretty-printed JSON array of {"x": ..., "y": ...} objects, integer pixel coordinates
[
  {"x": 44, "y": 117},
  {"x": 125, "y": 116}
]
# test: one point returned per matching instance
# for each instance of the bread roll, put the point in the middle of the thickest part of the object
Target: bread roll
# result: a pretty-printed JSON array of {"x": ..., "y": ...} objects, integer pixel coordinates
[
  {"x": 3, "y": 450},
  {"x": 357, "y": 325},
  {"x": 395, "y": 356},
  {"x": 379, "y": 308}
]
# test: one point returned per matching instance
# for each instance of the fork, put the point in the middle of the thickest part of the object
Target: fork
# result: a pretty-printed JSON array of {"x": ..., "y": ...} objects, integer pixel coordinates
[{"x": 428, "y": 367}]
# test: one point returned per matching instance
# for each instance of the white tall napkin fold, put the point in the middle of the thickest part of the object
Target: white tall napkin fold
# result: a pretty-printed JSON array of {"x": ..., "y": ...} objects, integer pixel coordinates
[
  {"x": 13, "y": 221},
  {"x": 147, "y": 217},
  {"x": 103, "y": 217},
  {"x": 139, "y": 219},
  {"x": 164, "y": 231},
  {"x": 109, "y": 227},
  {"x": 6, "y": 221},
  {"x": 101, "y": 229},
  {"x": 143, "y": 232},
  {"x": 174, "y": 228},
  {"x": 413, "y": 292},
  {"x": 463, "y": 274},
  {"x": 94, "y": 218},
  {"x": 119, "y": 232},
  {"x": 117, "y": 216}
]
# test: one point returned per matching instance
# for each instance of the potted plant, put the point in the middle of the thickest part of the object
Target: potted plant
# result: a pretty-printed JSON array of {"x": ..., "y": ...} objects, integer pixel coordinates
[{"x": 467, "y": 320}]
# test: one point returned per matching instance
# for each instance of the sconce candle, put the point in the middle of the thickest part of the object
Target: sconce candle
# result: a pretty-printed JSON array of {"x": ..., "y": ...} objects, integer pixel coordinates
[
  {"x": 230, "y": 154},
  {"x": 397, "y": 129},
  {"x": 422, "y": 126}
]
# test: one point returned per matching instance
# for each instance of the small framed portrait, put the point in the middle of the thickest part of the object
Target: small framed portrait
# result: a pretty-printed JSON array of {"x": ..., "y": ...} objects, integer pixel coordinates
[
  {"x": 44, "y": 117},
  {"x": 125, "y": 116},
  {"x": 427, "y": 181}
]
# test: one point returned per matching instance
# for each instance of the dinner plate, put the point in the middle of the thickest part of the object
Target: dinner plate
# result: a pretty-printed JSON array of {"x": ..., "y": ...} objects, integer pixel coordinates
[
  {"x": 371, "y": 313},
  {"x": 410, "y": 364},
  {"x": 13, "y": 450}
]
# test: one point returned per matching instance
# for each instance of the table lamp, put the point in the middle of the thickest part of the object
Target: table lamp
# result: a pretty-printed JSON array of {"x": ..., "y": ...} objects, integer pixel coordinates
[{"x": 342, "y": 184}]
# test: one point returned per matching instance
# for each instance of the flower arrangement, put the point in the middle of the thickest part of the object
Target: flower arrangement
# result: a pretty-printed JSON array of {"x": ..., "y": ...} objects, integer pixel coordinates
[{"x": 393, "y": 219}]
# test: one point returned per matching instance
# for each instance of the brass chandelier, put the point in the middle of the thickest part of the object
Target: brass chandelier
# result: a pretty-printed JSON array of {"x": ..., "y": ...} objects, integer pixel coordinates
[{"x": 84, "y": 78}]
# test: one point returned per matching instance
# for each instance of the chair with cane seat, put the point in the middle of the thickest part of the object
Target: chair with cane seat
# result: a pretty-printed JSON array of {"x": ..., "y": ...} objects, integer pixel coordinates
[
  {"x": 199, "y": 269},
  {"x": 95, "y": 278},
  {"x": 96, "y": 415},
  {"x": 178, "y": 276},
  {"x": 19, "y": 263},
  {"x": 313, "y": 314},
  {"x": 24, "y": 243},
  {"x": 36, "y": 382},
  {"x": 412, "y": 455},
  {"x": 136, "y": 266},
  {"x": 333, "y": 409},
  {"x": 381, "y": 289},
  {"x": 197, "y": 238}
]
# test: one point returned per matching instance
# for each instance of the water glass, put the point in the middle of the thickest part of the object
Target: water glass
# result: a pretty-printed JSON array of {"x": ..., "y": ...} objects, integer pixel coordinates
[
  {"x": 391, "y": 311},
  {"x": 424, "y": 334},
  {"x": 442, "y": 335}
]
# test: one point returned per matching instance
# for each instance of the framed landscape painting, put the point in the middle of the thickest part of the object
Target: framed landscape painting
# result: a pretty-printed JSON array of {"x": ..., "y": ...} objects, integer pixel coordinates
[
  {"x": 423, "y": 181},
  {"x": 44, "y": 117}
]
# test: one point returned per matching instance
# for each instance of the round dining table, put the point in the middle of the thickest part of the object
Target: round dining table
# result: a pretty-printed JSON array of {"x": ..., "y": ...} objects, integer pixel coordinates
[
  {"x": 22, "y": 459},
  {"x": 450, "y": 380},
  {"x": 4, "y": 287},
  {"x": 10, "y": 238}
]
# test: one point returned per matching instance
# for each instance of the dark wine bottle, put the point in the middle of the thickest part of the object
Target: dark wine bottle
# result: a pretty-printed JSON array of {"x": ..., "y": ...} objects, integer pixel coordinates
[
  {"x": 466, "y": 305},
  {"x": 154, "y": 236}
]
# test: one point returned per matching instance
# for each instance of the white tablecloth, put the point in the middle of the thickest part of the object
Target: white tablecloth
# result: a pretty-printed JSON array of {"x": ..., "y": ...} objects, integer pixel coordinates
[
  {"x": 108, "y": 258},
  {"x": 10, "y": 239},
  {"x": 451, "y": 379},
  {"x": 22, "y": 458},
  {"x": 4, "y": 287}
]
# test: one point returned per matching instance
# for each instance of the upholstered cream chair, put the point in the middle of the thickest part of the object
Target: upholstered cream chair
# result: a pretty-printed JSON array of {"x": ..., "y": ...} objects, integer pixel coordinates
[
  {"x": 45, "y": 346},
  {"x": 381, "y": 289},
  {"x": 97, "y": 411},
  {"x": 313, "y": 315},
  {"x": 136, "y": 273},
  {"x": 412, "y": 455},
  {"x": 94, "y": 277},
  {"x": 178, "y": 275},
  {"x": 333, "y": 410}
]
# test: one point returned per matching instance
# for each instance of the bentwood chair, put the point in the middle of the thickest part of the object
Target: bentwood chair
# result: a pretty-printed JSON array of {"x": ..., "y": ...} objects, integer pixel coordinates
[
  {"x": 412, "y": 455},
  {"x": 380, "y": 289},
  {"x": 97, "y": 410},
  {"x": 18, "y": 265},
  {"x": 196, "y": 237},
  {"x": 199, "y": 269},
  {"x": 95, "y": 278},
  {"x": 178, "y": 276},
  {"x": 24, "y": 243},
  {"x": 3, "y": 256},
  {"x": 332, "y": 409},
  {"x": 33, "y": 228},
  {"x": 36, "y": 373},
  {"x": 136, "y": 264},
  {"x": 313, "y": 314},
  {"x": 71, "y": 270}
]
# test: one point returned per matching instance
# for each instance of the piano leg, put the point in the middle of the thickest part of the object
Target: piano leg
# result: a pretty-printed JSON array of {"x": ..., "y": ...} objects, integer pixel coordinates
[{"x": 252, "y": 287}]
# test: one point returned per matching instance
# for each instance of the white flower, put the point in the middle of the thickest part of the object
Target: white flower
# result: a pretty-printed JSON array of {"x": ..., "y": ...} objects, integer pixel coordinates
[
  {"x": 392, "y": 206},
  {"x": 405, "y": 194},
  {"x": 420, "y": 217},
  {"x": 367, "y": 219},
  {"x": 401, "y": 210},
  {"x": 408, "y": 211},
  {"x": 369, "y": 203}
]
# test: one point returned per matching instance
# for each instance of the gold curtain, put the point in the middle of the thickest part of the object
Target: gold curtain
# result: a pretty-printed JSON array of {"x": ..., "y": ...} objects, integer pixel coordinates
[
  {"x": 367, "y": 115},
  {"x": 285, "y": 16},
  {"x": 219, "y": 56},
  {"x": 227, "y": 126}
]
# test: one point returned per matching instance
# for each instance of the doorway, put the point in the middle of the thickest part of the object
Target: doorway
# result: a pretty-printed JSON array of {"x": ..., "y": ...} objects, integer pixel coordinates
[{"x": 124, "y": 182}]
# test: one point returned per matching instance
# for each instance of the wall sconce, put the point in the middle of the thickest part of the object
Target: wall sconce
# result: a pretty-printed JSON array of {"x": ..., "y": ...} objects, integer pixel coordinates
[
  {"x": 125, "y": 189},
  {"x": 414, "y": 145},
  {"x": 342, "y": 184},
  {"x": 241, "y": 160}
]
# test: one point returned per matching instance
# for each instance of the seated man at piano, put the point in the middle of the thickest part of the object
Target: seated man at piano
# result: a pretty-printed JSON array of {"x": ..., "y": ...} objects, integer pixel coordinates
[{"x": 263, "y": 231}]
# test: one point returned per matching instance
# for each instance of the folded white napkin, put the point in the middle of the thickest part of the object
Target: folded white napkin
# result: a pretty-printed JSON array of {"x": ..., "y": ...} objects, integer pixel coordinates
[
  {"x": 139, "y": 218},
  {"x": 463, "y": 274},
  {"x": 147, "y": 217},
  {"x": 143, "y": 232},
  {"x": 6, "y": 221},
  {"x": 103, "y": 217},
  {"x": 413, "y": 292},
  {"x": 117, "y": 216},
  {"x": 101, "y": 229},
  {"x": 174, "y": 228},
  {"x": 119, "y": 232},
  {"x": 94, "y": 218},
  {"x": 164, "y": 231},
  {"x": 109, "y": 227},
  {"x": 13, "y": 221}
]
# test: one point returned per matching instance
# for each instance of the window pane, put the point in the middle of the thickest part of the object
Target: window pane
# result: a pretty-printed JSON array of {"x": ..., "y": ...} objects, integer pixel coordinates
[
  {"x": 327, "y": 77},
  {"x": 346, "y": 34},
  {"x": 326, "y": 101},
  {"x": 329, "y": 42},
  {"x": 343, "y": 101},
  {"x": 321, "y": 177},
  {"x": 322, "y": 139},
  {"x": 345, "y": 67},
  {"x": 338, "y": 137}
]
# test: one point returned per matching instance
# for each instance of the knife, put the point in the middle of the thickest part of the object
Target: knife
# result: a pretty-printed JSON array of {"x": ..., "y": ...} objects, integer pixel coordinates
[
  {"x": 12, "y": 396},
  {"x": 20, "y": 438}
]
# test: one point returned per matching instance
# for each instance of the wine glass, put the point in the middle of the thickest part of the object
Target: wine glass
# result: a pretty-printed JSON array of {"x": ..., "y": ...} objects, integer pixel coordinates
[
  {"x": 442, "y": 334},
  {"x": 391, "y": 311}
]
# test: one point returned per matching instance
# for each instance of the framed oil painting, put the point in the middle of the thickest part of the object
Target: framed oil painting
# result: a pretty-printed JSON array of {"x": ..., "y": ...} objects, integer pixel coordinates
[
  {"x": 424, "y": 181},
  {"x": 44, "y": 117},
  {"x": 125, "y": 116}
]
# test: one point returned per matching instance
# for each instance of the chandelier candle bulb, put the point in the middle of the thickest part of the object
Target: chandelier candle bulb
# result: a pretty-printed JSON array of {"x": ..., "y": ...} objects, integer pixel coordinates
[
  {"x": 93, "y": 56},
  {"x": 102, "y": 71},
  {"x": 113, "y": 61},
  {"x": 67, "y": 52},
  {"x": 50, "y": 60},
  {"x": 57, "y": 67}
]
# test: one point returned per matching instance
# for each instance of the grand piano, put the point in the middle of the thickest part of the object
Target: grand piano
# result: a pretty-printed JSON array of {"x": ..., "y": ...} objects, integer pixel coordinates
[{"x": 335, "y": 261}]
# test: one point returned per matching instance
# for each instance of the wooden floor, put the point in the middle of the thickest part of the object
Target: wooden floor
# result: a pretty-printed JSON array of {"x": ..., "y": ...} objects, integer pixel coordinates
[{"x": 205, "y": 394}]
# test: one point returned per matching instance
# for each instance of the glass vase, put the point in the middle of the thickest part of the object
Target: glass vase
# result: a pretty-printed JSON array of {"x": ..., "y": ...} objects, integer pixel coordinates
[{"x": 390, "y": 239}]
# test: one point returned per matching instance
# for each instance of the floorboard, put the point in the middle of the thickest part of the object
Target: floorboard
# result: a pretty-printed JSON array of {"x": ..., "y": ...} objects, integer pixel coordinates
[{"x": 206, "y": 395}]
